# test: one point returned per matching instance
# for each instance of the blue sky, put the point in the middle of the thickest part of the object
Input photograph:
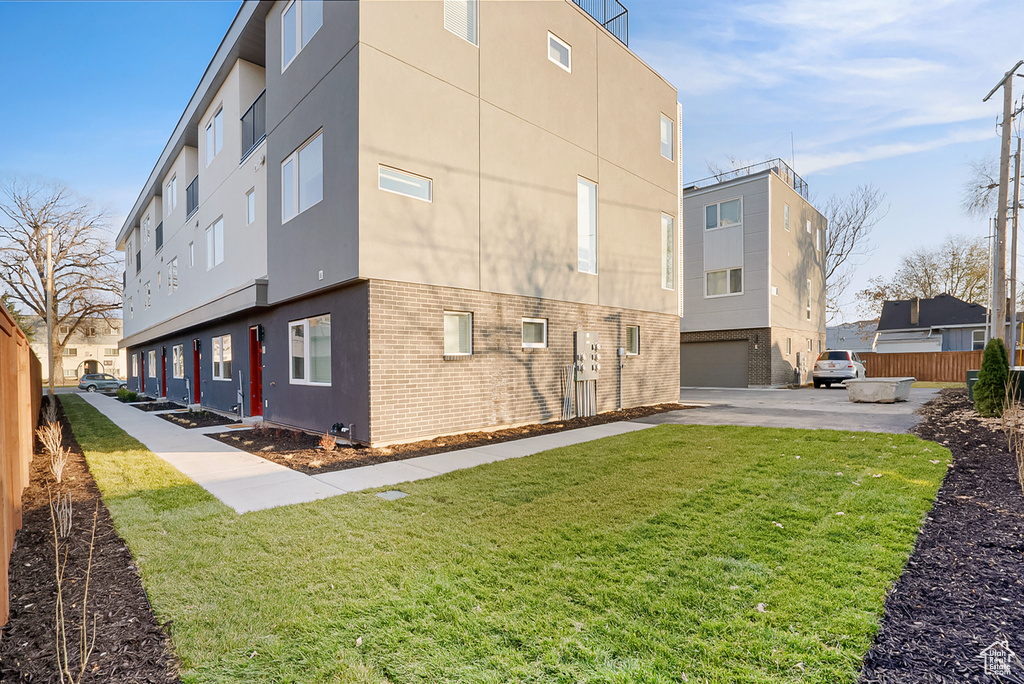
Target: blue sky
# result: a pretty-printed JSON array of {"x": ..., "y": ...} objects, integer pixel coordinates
[{"x": 886, "y": 92}]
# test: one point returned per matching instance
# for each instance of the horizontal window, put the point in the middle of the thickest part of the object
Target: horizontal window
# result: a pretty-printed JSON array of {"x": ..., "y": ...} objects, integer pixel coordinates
[
  {"x": 458, "y": 333},
  {"x": 309, "y": 343},
  {"x": 404, "y": 183},
  {"x": 535, "y": 333},
  {"x": 722, "y": 214},
  {"x": 222, "y": 357},
  {"x": 725, "y": 282},
  {"x": 632, "y": 340}
]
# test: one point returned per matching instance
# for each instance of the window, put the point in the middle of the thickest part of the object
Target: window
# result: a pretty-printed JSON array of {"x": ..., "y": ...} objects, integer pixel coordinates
[
  {"x": 299, "y": 21},
  {"x": 667, "y": 134},
  {"x": 560, "y": 52},
  {"x": 151, "y": 371},
  {"x": 191, "y": 254},
  {"x": 250, "y": 206},
  {"x": 728, "y": 281},
  {"x": 403, "y": 183},
  {"x": 146, "y": 230},
  {"x": 110, "y": 351},
  {"x": 775, "y": 290},
  {"x": 172, "y": 275},
  {"x": 159, "y": 280},
  {"x": 113, "y": 330},
  {"x": 64, "y": 329},
  {"x": 214, "y": 135},
  {"x": 91, "y": 331},
  {"x": 808, "y": 226},
  {"x": 789, "y": 346},
  {"x": 668, "y": 271},
  {"x": 222, "y": 357},
  {"x": 810, "y": 344},
  {"x": 146, "y": 288},
  {"x": 70, "y": 373},
  {"x": 632, "y": 340},
  {"x": 728, "y": 213},
  {"x": 978, "y": 340},
  {"x": 178, "y": 361},
  {"x": 135, "y": 365},
  {"x": 817, "y": 238},
  {"x": 535, "y": 333},
  {"x": 131, "y": 309},
  {"x": 302, "y": 178},
  {"x": 461, "y": 18},
  {"x": 70, "y": 351},
  {"x": 128, "y": 253},
  {"x": 458, "y": 333},
  {"x": 808, "y": 299},
  {"x": 310, "y": 344},
  {"x": 586, "y": 225},
  {"x": 215, "y": 244},
  {"x": 785, "y": 217}
]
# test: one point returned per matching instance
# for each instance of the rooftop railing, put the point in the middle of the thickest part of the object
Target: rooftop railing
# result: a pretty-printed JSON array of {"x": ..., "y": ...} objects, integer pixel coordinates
[
  {"x": 609, "y": 13},
  {"x": 779, "y": 167}
]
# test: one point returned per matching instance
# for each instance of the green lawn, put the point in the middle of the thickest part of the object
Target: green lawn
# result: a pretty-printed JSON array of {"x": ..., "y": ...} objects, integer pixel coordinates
[
  {"x": 639, "y": 558},
  {"x": 939, "y": 385}
]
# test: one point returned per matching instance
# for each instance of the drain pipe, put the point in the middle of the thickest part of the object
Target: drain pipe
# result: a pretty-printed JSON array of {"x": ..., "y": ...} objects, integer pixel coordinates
[{"x": 622, "y": 363}]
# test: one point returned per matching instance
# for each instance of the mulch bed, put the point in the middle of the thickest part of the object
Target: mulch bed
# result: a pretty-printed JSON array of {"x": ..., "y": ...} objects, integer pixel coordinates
[
  {"x": 197, "y": 419},
  {"x": 130, "y": 646},
  {"x": 300, "y": 451},
  {"x": 963, "y": 588},
  {"x": 159, "y": 406}
]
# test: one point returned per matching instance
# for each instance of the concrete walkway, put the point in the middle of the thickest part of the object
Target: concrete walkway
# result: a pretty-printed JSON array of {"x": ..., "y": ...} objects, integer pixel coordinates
[{"x": 249, "y": 483}]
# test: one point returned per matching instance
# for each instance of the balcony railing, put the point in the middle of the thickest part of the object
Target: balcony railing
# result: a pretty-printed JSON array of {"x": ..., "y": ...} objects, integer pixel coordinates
[
  {"x": 779, "y": 167},
  {"x": 192, "y": 197},
  {"x": 254, "y": 124},
  {"x": 160, "y": 235},
  {"x": 610, "y": 14}
]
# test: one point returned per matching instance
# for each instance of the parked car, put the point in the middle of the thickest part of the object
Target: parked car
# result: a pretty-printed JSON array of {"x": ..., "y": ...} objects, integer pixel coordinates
[
  {"x": 837, "y": 365},
  {"x": 100, "y": 381}
]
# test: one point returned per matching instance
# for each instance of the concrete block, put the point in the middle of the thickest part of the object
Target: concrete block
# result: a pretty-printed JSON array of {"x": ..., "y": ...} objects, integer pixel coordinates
[{"x": 879, "y": 390}]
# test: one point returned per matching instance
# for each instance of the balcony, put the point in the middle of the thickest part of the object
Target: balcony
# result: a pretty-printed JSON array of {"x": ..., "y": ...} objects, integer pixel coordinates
[
  {"x": 777, "y": 166},
  {"x": 610, "y": 14},
  {"x": 192, "y": 197},
  {"x": 254, "y": 124}
]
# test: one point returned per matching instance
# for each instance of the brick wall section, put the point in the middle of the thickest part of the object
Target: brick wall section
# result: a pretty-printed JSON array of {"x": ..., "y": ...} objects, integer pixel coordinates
[
  {"x": 415, "y": 391},
  {"x": 758, "y": 349},
  {"x": 783, "y": 365}
]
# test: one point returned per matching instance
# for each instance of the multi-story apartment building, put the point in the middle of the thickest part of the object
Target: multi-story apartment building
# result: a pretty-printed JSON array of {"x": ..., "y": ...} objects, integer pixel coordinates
[
  {"x": 92, "y": 348},
  {"x": 754, "y": 279},
  {"x": 395, "y": 216}
]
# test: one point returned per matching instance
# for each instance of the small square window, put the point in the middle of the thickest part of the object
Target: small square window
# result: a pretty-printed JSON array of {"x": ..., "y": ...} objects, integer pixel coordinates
[
  {"x": 458, "y": 333},
  {"x": 632, "y": 340},
  {"x": 535, "y": 333},
  {"x": 728, "y": 213},
  {"x": 560, "y": 52}
]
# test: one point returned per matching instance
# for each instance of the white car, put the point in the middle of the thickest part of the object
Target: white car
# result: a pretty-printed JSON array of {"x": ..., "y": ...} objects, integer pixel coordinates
[{"x": 836, "y": 365}]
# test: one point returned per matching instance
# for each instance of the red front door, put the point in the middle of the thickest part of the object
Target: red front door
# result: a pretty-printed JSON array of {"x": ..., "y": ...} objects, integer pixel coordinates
[
  {"x": 255, "y": 372},
  {"x": 163, "y": 372},
  {"x": 195, "y": 372}
]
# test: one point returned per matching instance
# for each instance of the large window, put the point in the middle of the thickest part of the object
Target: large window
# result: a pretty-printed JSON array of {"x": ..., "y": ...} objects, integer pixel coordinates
[
  {"x": 404, "y": 183},
  {"x": 586, "y": 225},
  {"x": 178, "y": 361},
  {"x": 302, "y": 178},
  {"x": 458, "y": 333},
  {"x": 461, "y": 17},
  {"x": 728, "y": 281},
  {"x": 667, "y": 138},
  {"x": 560, "y": 52},
  {"x": 309, "y": 342},
  {"x": 535, "y": 333},
  {"x": 668, "y": 271},
  {"x": 151, "y": 371},
  {"x": 722, "y": 214},
  {"x": 214, "y": 135},
  {"x": 215, "y": 244},
  {"x": 222, "y": 357},
  {"x": 299, "y": 21},
  {"x": 632, "y": 340}
]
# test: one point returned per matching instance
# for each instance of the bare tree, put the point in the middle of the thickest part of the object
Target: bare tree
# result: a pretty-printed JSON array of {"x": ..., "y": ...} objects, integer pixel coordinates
[
  {"x": 86, "y": 275},
  {"x": 981, "y": 189},
  {"x": 850, "y": 220},
  {"x": 958, "y": 267}
]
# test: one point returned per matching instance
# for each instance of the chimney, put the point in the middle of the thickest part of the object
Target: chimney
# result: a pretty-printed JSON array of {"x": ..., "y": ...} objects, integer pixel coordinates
[{"x": 915, "y": 311}]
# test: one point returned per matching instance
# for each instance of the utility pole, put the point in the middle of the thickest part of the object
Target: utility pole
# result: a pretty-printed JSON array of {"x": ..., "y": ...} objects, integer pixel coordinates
[
  {"x": 1013, "y": 257},
  {"x": 999, "y": 272},
  {"x": 49, "y": 307}
]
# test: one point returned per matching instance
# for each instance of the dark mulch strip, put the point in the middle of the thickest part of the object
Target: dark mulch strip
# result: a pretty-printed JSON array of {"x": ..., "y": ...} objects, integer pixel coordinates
[
  {"x": 963, "y": 587},
  {"x": 299, "y": 450},
  {"x": 159, "y": 406},
  {"x": 130, "y": 645},
  {"x": 196, "y": 419}
]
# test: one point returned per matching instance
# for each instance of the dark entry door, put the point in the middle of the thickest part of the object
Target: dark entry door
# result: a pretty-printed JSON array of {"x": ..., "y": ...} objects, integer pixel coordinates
[
  {"x": 255, "y": 372},
  {"x": 195, "y": 372},
  {"x": 163, "y": 372},
  {"x": 92, "y": 366}
]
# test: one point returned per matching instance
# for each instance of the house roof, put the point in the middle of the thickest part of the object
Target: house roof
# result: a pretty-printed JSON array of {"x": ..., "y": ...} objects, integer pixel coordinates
[{"x": 937, "y": 312}]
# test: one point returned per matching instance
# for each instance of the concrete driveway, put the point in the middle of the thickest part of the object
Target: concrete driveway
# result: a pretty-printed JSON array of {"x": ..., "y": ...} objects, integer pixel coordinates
[{"x": 823, "y": 408}]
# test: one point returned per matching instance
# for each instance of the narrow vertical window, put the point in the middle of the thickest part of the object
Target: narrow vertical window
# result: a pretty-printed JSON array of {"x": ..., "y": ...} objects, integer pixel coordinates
[
  {"x": 667, "y": 133},
  {"x": 289, "y": 34},
  {"x": 560, "y": 52},
  {"x": 250, "y": 206},
  {"x": 785, "y": 217},
  {"x": 586, "y": 226},
  {"x": 632, "y": 340},
  {"x": 191, "y": 254},
  {"x": 178, "y": 361},
  {"x": 218, "y": 131},
  {"x": 817, "y": 238},
  {"x": 215, "y": 244},
  {"x": 172, "y": 275},
  {"x": 461, "y": 17},
  {"x": 808, "y": 226},
  {"x": 458, "y": 333},
  {"x": 222, "y": 357},
  {"x": 668, "y": 272},
  {"x": 808, "y": 299},
  {"x": 209, "y": 143},
  {"x": 300, "y": 20}
]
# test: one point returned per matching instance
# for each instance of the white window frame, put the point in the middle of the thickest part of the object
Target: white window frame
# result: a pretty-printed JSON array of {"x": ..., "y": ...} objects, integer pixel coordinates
[
  {"x": 785, "y": 217},
  {"x": 808, "y": 226},
  {"x": 178, "y": 361},
  {"x": 172, "y": 275},
  {"x": 215, "y": 135},
  {"x": 568, "y": 51},
  {"x": 191, "y": 254},
  {"x": 671, "y": 128},
  {"x": 299, "y": 43},
  {"x": 146, "y": 230},
  {"x": 728, "y": 280},
  {"x": 381, "y": 168},
  {"x": 297, "y": 180},
  {"x": 459, "y": 314},
  {"x": 473, "y": 19},
  {"x": 215, "y": 238},
  {"x": 151, "y": 358},
  {"x": 808, "y": 299},
  {"x": 592, "y": 228},
  {"x": 135, "y": 365},
  {"x": 975, "y": 340},
  {"x": 718, "y": 214},
  {"x": 148, "y": 294},
  {"x": 789, "y": 346},
  {"x": 250, "y": 207},
  {"x": 817, "y": 238},
  {"x": 532, "y": 345},
  {"x": 629, "y": 350},
  {"x": 131, "y": 309},
  {"x": 668, "y": 243},
  {"x": 217, "y": 370},
  {"x": 305, "y": 380}
]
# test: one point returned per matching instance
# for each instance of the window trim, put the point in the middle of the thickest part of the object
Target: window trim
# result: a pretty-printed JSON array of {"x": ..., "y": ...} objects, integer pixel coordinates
[
  {"x": 808, "y": 299},
  {"x": 727, "y": 280},
  {"x": 580, "y": 182},
  {"x": 305, "y": 353},
  {"x": 296, "y": 182},
  {"x": 668, "y": 251},
  {"x": 975, "y": 341},
  {"x": 178, "y": 361},
  {"x": 135, "y": 365},
  {"x": 151, "y": 359},
  {"x": 568, "y": 49},
  {"x": 719, "y": 214},
  {"x": 250, "y": 204},
  {"x": 637, "y": 352},
  {"x": 671, "y": 143},
  {"x": 522, "y": 337},
  {"x": 216, "y": 121},
  {"x": 213, "y": 357},
  {"x": 430, "y": 183},
  {"x": 211, "y": 233},
  {"x": 785, "y": 217},
  {"x": 299, "y": 45},
  {"x": 445, "y": 352}
]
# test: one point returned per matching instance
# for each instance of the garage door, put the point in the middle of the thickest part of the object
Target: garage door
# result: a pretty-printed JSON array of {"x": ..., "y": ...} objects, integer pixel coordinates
[{"x": 713, "y": 364}]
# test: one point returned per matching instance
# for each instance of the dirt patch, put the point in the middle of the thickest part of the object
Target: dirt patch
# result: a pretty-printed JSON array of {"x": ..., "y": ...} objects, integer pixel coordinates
[
  {"x": 159, "y": 406},
  {"x": 300, "y": 451},
  {"x": 130, "y": 645},
  {"x": 963, "y": 587},
  {"x": 196, "y": 419}
]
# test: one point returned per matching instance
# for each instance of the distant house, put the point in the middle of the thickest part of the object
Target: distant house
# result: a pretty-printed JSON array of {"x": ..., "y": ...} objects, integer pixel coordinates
[
  {"x": 943, "y": 323},
  {"x": 92, "y": 348},
  {"x": 858, "y": 336}
]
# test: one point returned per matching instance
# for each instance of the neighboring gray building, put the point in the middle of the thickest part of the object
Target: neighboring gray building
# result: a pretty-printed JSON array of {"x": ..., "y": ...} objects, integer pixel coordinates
[
  {"x": 753, "y": 279},
  {"x": 942, "y": 323},
  {"x": 394, "y": 216},
  {"x": 858, "y": 336}
]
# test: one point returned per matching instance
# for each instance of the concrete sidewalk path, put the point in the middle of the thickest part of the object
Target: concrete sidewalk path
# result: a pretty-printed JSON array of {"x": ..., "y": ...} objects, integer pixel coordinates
[{"x": 249, "y": 483}]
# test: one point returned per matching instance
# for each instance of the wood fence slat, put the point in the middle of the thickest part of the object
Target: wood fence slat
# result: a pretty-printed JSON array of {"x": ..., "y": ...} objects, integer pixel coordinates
[{"x": 925, "y": 366}]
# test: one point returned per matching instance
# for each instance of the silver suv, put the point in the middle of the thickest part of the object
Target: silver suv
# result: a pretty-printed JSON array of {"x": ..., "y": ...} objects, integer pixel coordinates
[
  {"x": 837, "y": 366},
  {"x": 100, "y": 381}
]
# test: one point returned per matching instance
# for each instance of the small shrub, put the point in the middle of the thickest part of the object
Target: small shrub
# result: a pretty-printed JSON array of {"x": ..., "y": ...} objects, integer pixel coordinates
[
  {"x": 51, "y": 436},
  {"x": 327, "y": 442},
  {"x": 122, "y": 395},
  {"x": 990, "y": 389}
]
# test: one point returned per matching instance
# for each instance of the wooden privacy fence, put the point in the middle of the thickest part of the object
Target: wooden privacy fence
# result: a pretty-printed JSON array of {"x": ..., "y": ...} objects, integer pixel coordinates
[
  {"x": 927, "y": 366},
  {"x": 20, "y": 393}
]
